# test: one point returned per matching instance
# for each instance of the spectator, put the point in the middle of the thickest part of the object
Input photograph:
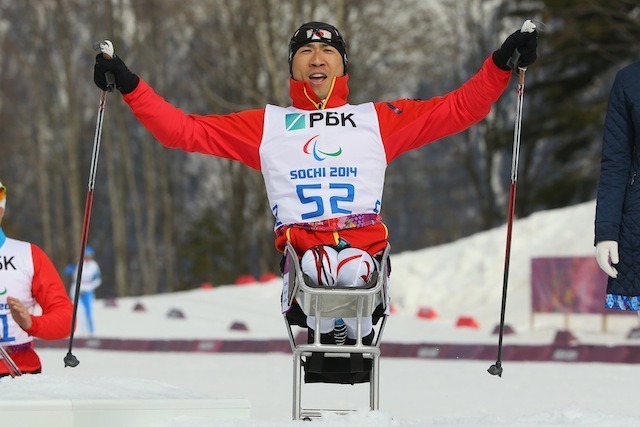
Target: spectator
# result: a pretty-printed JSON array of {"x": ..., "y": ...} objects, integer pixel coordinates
[{"x": 617, "y": 225}]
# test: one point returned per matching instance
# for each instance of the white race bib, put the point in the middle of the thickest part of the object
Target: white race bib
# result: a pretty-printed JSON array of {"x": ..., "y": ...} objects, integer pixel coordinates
[{"x": 322, "y": 164}]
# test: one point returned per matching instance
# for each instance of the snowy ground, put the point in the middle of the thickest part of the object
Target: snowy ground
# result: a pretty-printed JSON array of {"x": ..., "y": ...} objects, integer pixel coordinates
[{"x": 460, "y": 279}]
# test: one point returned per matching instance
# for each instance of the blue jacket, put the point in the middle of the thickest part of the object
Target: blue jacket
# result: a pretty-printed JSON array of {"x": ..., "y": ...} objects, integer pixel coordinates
[{"x": 618, "y": 200}]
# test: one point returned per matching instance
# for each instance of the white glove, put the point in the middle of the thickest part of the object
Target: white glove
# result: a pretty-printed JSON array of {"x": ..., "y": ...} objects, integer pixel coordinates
[{"x": 606, "y": 255}]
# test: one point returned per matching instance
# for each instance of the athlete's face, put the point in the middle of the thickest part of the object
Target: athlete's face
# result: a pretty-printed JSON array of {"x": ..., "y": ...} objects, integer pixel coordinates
[{"x": 317, "y": 63}]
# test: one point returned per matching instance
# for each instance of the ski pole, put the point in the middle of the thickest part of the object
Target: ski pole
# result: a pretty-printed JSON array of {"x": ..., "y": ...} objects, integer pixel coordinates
[
  {"x": 107, "y": 49},
  {"x": 528, "y": 26},
  {"x": 8, "y": 362}
]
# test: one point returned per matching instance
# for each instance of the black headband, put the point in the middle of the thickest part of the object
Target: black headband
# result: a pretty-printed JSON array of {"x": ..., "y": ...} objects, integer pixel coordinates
[{"x": 317, "y": 32}]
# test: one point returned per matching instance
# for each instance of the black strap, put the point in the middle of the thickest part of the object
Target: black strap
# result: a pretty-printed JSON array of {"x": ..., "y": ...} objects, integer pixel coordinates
[{"x": 315, "y": 362}]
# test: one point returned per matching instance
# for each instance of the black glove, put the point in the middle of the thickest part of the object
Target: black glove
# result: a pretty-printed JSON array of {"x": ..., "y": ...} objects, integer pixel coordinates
[
  {"x": 526, "y": 43},
  {"x": 126, "y": 81}
]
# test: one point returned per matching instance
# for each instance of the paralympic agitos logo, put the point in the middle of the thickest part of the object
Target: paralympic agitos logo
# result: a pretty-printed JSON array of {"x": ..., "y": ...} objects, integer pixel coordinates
[{"x": 311, "y": 147}]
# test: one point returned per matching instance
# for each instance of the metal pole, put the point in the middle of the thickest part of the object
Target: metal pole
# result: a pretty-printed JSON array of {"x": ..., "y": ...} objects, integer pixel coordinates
[
  {"x": 8, "y": 362},
  {"x": 497, "y": 368},
  {"x": 70, "y": 359}
]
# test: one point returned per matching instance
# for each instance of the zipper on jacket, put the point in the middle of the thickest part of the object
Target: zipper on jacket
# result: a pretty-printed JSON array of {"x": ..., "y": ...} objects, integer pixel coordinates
[{"x": 633, "y": 178}]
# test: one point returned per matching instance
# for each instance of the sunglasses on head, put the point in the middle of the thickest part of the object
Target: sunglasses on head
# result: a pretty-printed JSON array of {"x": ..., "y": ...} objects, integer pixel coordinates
[{"x": 315, "y": 34}]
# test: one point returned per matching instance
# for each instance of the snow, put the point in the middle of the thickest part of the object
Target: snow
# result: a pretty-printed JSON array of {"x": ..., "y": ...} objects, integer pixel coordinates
[{"x": 461, "y": 278}]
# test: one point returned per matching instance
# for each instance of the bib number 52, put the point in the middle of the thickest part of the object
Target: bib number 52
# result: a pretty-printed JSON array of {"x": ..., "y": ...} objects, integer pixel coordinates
[{"x": 338, "y": 195}]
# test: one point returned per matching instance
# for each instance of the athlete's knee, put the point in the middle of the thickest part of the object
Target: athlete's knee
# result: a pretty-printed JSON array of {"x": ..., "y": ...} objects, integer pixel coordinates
[
  {"x": 355, "y": 268},
  {"x": 320, "y": 264}
]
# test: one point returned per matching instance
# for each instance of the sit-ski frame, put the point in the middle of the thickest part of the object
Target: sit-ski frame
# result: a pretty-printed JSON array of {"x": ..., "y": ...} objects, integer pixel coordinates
[{"x": 335, "y": 302}]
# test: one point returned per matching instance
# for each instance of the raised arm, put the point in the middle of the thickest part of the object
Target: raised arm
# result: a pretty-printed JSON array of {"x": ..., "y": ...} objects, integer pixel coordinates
[
  {"x": 234, "y": 136},
  {"x": 409, "y": 124}
]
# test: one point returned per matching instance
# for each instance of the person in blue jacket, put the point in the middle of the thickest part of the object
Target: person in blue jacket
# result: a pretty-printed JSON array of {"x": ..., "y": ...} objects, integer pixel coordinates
[{"x": 617, "y": 224}]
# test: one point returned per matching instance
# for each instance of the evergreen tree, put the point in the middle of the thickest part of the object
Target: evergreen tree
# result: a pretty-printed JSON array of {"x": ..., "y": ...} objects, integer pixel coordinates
[{"x": 585, "y": 42}]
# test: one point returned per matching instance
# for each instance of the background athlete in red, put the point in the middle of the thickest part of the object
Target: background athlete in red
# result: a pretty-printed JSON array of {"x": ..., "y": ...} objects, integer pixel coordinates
[{"x": 29, "y": 278}]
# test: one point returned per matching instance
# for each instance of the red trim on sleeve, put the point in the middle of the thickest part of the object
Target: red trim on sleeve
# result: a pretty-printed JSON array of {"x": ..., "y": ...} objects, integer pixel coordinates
[
  {"x": 235, "y": 136},
  {"x": 408, "y": 124},
  {"x": 50, "y": 293}
]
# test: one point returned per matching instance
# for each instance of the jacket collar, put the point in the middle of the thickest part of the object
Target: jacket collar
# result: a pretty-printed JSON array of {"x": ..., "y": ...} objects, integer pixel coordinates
[{"x": 304, "y": 97}]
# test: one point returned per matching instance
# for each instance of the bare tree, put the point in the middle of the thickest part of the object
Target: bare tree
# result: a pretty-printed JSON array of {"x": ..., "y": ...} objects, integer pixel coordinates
[
  {"x": 211, "y": 56},
  {"x": 43, "y": 46}
]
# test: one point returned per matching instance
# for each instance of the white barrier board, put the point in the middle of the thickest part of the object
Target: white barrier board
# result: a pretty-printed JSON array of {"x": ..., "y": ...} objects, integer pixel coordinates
[
  {"x": 84, "y": 401},
  {"x": 121, "y": 413}
]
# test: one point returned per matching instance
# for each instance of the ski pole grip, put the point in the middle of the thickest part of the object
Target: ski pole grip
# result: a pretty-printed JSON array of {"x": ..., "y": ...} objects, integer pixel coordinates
[
  {"x": 513, "y": 61},
  {"x": 106, "y": 47},
  {"x": 109, "y": 77},
  {"x": 527, "y": 27},
  {"x": 111, "y": 81}
]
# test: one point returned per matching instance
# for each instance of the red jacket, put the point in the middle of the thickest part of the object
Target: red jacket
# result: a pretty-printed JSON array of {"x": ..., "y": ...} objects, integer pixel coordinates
[
  {"x": 404, "y": 125},
  {"x": 55, "y": 321}
]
